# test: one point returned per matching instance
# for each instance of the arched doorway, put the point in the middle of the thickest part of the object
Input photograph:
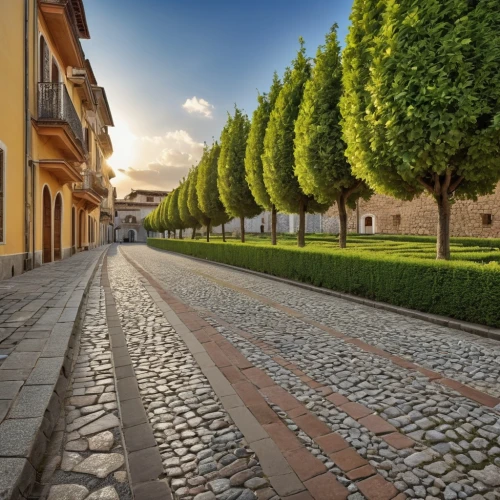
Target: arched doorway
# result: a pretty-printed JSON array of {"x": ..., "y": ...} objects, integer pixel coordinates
[
  {"x": 47, "y": 226},
  {"x": 81, "y": 229},
  {"x": 58, "y": 227},
  {"x": 131, "y": 236},
  {"x": 367, "y": 224},
  {"x": 73, "y": 230}
]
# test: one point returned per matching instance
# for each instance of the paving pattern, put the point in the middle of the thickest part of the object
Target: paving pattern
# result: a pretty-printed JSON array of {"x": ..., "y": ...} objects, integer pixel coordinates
[
  {"x": 85, "y": 458},
  {"x": 422, "y": 437},
  {"x": 204, "y": 454},
  {"x": 40, "y": 314}
]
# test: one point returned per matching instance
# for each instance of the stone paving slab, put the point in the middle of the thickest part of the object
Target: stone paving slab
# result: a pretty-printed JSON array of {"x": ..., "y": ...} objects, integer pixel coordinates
[{"x": 40, "y": 313}]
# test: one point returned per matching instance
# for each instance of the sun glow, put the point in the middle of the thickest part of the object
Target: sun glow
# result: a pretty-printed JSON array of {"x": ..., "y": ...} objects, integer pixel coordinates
[{"x": 124, "y": 146}]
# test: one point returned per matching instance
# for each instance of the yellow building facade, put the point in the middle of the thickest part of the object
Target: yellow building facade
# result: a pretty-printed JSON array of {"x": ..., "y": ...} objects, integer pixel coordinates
[{"x": 55, "y": 193}]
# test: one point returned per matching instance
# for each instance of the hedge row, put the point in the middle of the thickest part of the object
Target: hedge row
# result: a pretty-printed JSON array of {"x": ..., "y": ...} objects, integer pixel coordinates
[
  {"x": 461, "y": 290},
  {"x": 465, "y": 241}
]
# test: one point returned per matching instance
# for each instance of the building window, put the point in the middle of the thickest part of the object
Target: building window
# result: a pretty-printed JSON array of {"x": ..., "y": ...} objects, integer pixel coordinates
[
  {"x": 130, "y": 219},
  {"x": 2, "y": 188},
  {"x": 150, "y": 199},
  {"x": 487, "y": 219},
  {"x": 396, "y": 220}
]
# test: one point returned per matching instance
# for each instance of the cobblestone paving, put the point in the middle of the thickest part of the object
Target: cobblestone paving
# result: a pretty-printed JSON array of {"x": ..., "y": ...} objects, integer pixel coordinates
[
  {"x": 204, "y": 454},
  {"x": 458, "y": 440},
  {"x": 459, "y": 355},
  {"x": 85, "y": 459}
]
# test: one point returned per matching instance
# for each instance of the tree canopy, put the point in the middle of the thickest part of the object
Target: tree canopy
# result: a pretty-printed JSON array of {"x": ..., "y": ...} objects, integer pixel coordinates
[
  {"x": 206, "y": 187},
  {"x": 255, "y": 144},
  {"x": 278, "y": 158},
  {"x": 184, "y": 212},
  {"x": 320, "y": 162},
  {"x": 233, "y": 188},
  {"x": 425, "y": 116}
]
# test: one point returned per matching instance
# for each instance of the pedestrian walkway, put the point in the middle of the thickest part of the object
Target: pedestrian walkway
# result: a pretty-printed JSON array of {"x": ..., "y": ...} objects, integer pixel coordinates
[
  {"x": 40, "y": 312},
  {"x": 347, "y": 415}
]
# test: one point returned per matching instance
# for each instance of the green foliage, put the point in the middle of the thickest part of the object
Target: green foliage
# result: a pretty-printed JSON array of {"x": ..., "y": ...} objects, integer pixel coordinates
[
  {"x": 192, "y": 200},
  {"x": 173, "y": 210},
  {"x": 255, "y": 144},
  {"x": 231, "y": 180},
  {"x": 462, "y": 290},
  {"x": 320, "y": 163},
  {"x": 206, "y": 186},
  {"x": 184, "y": 212},
  {"x": 422, "y": 98},
  {"x": 278, "y": 160}
]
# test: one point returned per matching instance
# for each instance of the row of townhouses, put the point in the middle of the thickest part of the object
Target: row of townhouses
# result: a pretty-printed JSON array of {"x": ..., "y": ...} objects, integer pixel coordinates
[{"x": 55, "y": 193}]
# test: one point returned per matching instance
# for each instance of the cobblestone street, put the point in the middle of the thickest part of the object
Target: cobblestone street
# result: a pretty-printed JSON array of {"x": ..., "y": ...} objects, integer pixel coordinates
[
  {"x": 372, "y": 399},
  {"x": 188, "y": 380}
]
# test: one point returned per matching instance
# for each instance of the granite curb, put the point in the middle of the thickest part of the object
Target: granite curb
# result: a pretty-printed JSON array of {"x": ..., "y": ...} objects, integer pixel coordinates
[
  {"x": 142, "y": 455},
  {"x": 475, "y": 329},
  {"x": 34, "y": 413}
]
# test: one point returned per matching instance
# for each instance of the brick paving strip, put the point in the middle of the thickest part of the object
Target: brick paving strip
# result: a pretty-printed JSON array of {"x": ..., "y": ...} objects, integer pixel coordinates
[
  {"x": 244, "y": 390},
  {"x": 40, "y": 314},
  {"x": 469, "y": 392},
  {"x": 143, "y": 456}
]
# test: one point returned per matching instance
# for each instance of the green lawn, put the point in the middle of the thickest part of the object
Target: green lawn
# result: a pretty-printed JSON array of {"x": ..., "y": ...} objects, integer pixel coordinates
[{"x": 421, "y": 247}]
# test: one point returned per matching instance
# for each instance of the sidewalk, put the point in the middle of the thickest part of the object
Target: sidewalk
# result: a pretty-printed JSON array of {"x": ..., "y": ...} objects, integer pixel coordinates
[{"x": 40, "y": 312}]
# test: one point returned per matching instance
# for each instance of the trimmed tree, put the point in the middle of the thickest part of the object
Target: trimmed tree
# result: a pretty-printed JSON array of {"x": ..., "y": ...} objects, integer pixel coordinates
[
  {"x": 192, "y": 200},
  {"x": 255, "y": 149},
  {"x": 173, "y": 211},
  {"x": 207, "y": 190},
  {"x": 231, "y": 177},
  {"x": 185, "y": 214},
  {"x": 430, "y": 104},
  {"x": 278, "y": 159},
  {"x": 320, "y": 163}
]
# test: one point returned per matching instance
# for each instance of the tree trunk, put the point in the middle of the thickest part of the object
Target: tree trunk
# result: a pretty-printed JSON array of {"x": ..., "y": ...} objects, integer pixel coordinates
[
  {"x": 242, "y": 229},
  {"x": 224, "y": 233},
  {"x": 208, "y": 231},
  {"x": 443, "y": 228},
  {"x": 342, "y": 220},
  {"x": 301, "y": 235},
  {"x": 180, "y": 234},
  {"x": 193, "y": 234},
  {"x": 168, "y": 234},
  {"x": 273, "y": 225},
  {"x": 175, "y": 234}
]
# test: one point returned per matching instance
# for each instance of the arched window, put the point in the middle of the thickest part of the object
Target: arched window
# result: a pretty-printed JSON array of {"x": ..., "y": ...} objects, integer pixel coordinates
[{"x": 44, "y": 58}]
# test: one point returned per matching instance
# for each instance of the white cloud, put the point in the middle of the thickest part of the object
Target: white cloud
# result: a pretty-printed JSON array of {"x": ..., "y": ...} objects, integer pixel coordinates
[
  {"x": 195, "y": 105},
  {"x": 167, "y": 159}
]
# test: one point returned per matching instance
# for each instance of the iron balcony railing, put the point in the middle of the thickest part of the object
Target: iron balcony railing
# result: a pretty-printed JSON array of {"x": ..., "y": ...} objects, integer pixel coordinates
[
  {"x": 91, "y": 182},
  {"x": 54, "y": 104}
]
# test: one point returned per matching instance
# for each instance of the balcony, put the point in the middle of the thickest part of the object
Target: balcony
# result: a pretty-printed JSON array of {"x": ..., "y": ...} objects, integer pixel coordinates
[
  {"x": 66, "y": 23},
  {"x": 58, "y": 119},
  {"x": 63, "y": 171},
  {"x": 91, "y": 190}
]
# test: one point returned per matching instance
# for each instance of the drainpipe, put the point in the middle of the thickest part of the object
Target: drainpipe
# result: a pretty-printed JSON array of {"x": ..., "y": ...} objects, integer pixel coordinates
[{"x": 26, "y": 138}]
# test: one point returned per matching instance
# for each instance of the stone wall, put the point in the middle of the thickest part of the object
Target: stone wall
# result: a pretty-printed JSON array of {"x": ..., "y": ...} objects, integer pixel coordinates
[{"x": 419, "y": 216}]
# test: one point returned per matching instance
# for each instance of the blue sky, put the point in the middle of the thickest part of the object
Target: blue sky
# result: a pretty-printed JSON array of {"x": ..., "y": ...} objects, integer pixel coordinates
[{"x": 155, "y": 56}]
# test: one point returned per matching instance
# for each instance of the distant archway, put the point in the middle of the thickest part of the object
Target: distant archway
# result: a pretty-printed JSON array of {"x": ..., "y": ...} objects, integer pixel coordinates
[
  {"x": 47, "y": 226},
  {"x": 73, "y": 229},
  {"x": 131, "y": 236},
  {"x": 81, "y": 229},
  {"x": 367, "y": 224},
  {"x": 58, "y": 227}
]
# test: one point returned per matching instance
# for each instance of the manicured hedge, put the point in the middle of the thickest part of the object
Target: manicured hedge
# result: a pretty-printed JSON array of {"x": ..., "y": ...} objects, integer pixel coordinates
[
  {"x": 462, "y": 290},
  {"x": 465, "y": 241}
]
